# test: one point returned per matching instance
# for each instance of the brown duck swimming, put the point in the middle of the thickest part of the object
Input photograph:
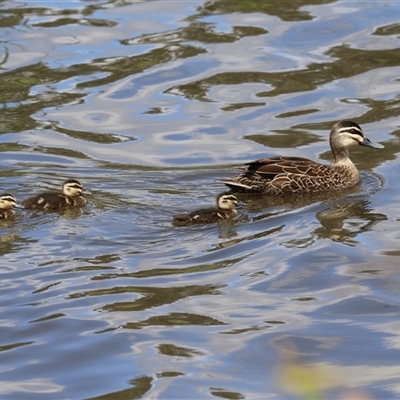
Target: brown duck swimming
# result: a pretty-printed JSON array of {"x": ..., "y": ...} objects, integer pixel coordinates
[
  {"x": 70, "y": 195},
  {"x": 278, "y": 175},
  {"x": 225, "y": 209},
  {"x": 7, "y": 202}
]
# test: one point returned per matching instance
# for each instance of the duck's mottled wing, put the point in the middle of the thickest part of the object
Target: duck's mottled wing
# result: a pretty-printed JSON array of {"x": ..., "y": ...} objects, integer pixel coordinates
[
  {"x": 281, "y": 175},
  {"x": 323, "y": 179}
]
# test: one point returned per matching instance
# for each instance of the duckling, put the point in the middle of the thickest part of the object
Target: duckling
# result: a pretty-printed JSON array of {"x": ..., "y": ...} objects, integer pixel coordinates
[
  {"x": 278, "y": 175},
  {"x": 225, "y": 209},
  {"x": 7, "y": 202},
  {"x": 70, "y": 195}
]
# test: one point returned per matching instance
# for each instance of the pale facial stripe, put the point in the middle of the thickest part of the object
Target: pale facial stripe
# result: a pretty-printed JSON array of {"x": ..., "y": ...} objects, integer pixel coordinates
[
  {"x": 8, "y": 198},
  {"x": 351, "y": 128}
]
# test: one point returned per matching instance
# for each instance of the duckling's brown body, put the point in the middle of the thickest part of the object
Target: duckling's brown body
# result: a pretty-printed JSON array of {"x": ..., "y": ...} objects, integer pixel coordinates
[
  {"x": 278, "y": 175},
  {"x": 7, "y": 202},
  {"x": 225, "y": 210},
  {"x": 7, "y": 214},
  {"x": 71, "y": 195}
]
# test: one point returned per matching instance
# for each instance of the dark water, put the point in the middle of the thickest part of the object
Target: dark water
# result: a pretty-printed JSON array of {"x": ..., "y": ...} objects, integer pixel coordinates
[{"x": 149, "y": 104}]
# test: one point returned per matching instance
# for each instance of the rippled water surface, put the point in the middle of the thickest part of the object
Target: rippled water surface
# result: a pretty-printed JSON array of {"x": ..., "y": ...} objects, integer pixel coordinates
[{"x": 149, "y": 104}]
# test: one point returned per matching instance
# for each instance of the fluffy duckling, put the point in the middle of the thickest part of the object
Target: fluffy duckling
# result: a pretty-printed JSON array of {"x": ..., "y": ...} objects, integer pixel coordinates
[
  {"x": 7, "y": 202},
  {"x": 278, "y": 175},
  {"x": 225, "y": 209},
  {"x": 70, "y": 195}
]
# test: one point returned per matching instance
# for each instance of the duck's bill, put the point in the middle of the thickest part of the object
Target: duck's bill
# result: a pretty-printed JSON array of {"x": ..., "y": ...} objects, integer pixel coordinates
[{"x": 374, "y": 145}]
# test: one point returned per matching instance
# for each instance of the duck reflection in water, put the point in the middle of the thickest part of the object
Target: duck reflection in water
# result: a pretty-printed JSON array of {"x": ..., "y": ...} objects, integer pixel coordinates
[{"x": 344, "y": 221}]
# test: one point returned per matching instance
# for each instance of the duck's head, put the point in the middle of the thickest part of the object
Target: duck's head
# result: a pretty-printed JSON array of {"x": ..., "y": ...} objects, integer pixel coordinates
[
  {"x": 346, "y": 133},
  {"x": 72, "y": 188},
  {"x": 7, "y": 201},
  {"x": 226, "y": 201}
]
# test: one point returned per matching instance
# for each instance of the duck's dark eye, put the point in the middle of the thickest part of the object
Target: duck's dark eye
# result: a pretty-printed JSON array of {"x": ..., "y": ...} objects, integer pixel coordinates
[{"x": 354, "y": 131}]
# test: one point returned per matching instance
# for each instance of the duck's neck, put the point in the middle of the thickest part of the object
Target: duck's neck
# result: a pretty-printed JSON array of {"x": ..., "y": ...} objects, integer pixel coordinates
[{"x": 341, "y": 156}]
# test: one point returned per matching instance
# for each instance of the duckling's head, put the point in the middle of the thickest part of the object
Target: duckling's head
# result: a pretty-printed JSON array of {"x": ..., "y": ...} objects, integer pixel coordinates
[
  {"x": 7, "y": 201},
  {"x": 226, "y": 201},
  {"x": 346, "y": 133},
  {"x": 72, "y": 188}
]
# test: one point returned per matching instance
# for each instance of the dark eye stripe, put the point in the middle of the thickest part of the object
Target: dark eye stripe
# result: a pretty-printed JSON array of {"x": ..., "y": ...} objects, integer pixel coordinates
[
  {"x": 355, "y": 131},
  {"x": 10, "y": 199},
  {"x": 230, "y": 198},
  {"x": 352, "y": 130}
]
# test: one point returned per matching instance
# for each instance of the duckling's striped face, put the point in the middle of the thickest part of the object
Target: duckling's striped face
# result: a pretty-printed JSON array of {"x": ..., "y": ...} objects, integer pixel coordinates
[
  {"x": 7, "y": 201},
  {"x": 348, "y": 133},
  {"x": 226, "y": 201},
  {"x": 72, "y": 188}
]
